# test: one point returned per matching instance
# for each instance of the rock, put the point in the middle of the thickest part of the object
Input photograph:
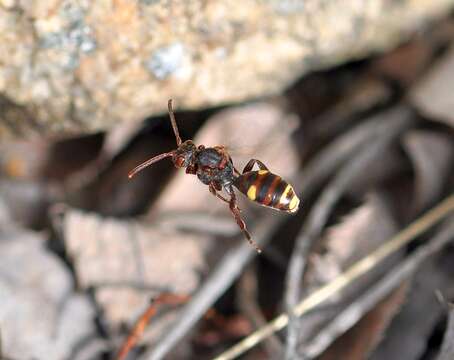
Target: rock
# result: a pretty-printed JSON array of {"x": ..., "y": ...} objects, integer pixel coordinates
[
  {"x": 71, "y": 66},
  {"x": 432, "y": 95},
  {"x": 40, "y": 316}
]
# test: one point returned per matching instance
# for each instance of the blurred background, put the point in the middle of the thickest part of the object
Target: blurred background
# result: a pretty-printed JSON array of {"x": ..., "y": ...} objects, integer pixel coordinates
[{"x": 351, "y": 102}]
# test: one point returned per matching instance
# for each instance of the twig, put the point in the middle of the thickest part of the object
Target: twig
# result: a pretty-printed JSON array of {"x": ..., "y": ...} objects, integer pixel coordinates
[
  {"x": 234, "y": 261},
  {"x": 197, "y": 222},
  {"x": 447, "y": 347},
  {"x": 133, "y": 284},
  {"x": 141, "y": 324},
  {"x": 404, "y": 237},
  {"x": 355, "y": 311},
  {"x": 395, "y": 120}
]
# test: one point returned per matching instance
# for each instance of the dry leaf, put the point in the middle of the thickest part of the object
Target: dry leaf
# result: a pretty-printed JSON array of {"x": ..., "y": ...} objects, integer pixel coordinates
[
  {"x": 432, "y": 155},
  {"x": 407, "y": 337},
  {"x": 27, "y": 201},
  {"x": 416, "y": 55},
  {"x": 40, "y": 317},
  {"x": 447, "y": 348},
  {"x": 358, "y": 342},
  {"x": 128, "y": 262},
  {"x": 358, "y": 234},
  {"x": 433, "y": 95},
  {"x": 387, "y": 165}
]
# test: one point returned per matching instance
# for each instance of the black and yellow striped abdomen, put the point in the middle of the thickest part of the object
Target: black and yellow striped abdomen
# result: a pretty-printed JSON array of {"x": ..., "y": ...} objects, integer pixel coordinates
[{"x": 268, "y": 189}]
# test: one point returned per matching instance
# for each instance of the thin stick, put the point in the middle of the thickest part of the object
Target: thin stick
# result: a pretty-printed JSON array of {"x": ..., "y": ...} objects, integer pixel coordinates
[
  {"x": 149, "y": 162},
  {"x": 141, "y": 324},
  {"x": 174, "y": 123},
  {"x": 360, "y": 268}
]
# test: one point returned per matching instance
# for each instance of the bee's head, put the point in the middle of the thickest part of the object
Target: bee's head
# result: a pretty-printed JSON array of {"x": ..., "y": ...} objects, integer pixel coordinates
[{"x": 184, "y": 154}]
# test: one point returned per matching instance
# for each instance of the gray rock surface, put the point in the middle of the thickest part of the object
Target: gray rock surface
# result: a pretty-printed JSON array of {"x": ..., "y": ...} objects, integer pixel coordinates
[
  {"x": 70, "y": 66},
  {"x": 40, "y": 316}
]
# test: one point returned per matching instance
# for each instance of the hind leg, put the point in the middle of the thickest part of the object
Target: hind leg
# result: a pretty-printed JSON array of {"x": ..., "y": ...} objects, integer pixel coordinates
[
  {"x": 213, "y": 190},
  {"x": 251, "y": 164},
  {"x": 236, "y": 212}
]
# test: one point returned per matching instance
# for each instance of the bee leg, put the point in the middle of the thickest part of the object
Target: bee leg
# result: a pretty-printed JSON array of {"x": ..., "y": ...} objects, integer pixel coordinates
[
  {"x": 235, "y": 170},
  {"x": 191, "y": 169},
  {"x": 251, "y": 164},
  {"x": 236, "y": 214},
  {"x": 212, "y": 189}
]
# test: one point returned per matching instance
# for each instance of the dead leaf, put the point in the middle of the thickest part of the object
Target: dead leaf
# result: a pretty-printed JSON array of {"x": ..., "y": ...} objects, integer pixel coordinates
[
  {"x": 387, "y": 165},
  {"x": 407, "y": 337},
  {"x": 358, "y": 234},
  {"x": 39, "y": 315},
  {"x": 416, "y": 56},
  {"x": 447, "y": 348},
  {"x": 358, "y": 342},
  {"x": 27, "y": 201},
  {"x": 432, "y": 155},
  {"x": 433, "y": 95},
  {"x": 128, "y": 262}
]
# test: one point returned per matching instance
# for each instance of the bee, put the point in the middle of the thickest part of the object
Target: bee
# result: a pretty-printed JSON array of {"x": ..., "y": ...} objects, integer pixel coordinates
[{"x": 214, "y": 167}]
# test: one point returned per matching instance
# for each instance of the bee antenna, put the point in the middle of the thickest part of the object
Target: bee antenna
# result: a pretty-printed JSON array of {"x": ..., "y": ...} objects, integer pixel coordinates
[
  {"x": 174, "y": 123},
  {"x": 149, "y": 162}
]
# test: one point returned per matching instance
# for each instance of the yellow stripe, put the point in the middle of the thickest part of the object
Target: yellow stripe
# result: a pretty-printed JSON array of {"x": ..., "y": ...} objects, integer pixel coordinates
[
  {"x": 252, "y": 192},
  {"x": 284, "y": 194},
  {"x": 263, "y": 172},
  {"x": 294, "y": 204}
]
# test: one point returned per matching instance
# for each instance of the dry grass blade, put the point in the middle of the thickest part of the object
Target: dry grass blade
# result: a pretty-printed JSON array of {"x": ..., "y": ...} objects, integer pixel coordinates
[
  {"x": 353, "y": 313},
  {"x": 429, "y": 219},
  {"x": 396, "y": 120}
]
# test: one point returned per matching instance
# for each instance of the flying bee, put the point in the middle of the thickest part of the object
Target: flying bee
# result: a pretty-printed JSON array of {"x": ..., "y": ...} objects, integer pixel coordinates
[{"x": 214, "y": 167}]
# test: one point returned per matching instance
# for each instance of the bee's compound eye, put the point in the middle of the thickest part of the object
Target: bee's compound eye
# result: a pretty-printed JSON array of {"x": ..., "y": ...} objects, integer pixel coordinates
[{"x": 180, "y": 161}]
